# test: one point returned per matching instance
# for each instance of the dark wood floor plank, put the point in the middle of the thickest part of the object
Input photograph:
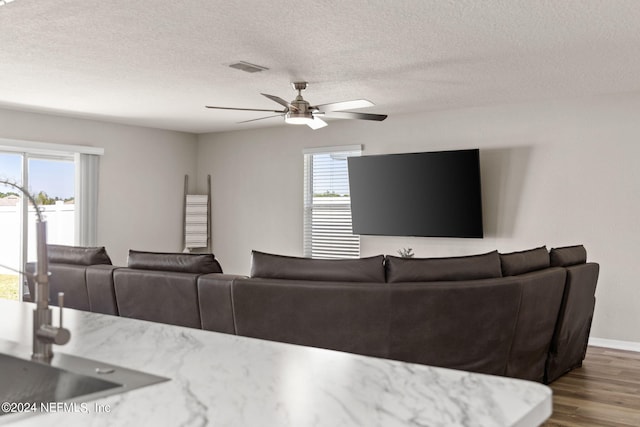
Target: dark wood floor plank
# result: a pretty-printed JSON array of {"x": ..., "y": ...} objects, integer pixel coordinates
[{"x": 604, "y": 392}]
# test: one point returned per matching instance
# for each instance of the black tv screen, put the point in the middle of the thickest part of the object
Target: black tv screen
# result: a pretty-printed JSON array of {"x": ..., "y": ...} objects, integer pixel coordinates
[{"x": 434, "y": 194}]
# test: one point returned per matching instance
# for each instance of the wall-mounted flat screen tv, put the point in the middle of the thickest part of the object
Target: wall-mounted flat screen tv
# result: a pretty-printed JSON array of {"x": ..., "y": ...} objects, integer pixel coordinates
[{"x": 433, "y": 194}]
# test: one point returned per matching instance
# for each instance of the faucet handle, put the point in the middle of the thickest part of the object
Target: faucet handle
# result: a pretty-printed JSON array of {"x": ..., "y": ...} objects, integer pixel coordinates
[
  {"x": 61, "y": 306},
  {"x": 51, "y": 334}
]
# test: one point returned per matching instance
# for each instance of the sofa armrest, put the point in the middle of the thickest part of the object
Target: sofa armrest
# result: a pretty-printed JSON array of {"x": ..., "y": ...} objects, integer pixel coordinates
[
  {"x": 571, "y": 336},
  {"x": 539, "y": 306},
  {"x": 214, "y": 300},
  {"x": 102, "y": 297}
]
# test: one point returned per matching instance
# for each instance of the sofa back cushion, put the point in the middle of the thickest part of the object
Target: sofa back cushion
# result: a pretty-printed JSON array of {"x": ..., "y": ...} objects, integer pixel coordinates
[
  {"x": 568, "y": 255},
  {"x": 270, "y": 266},
  {"x": 60, "y": 254},
  {"x": 484, "y": 266},
  {"x": 522, "y": 262},
  {"x": 178, "y": 262}
]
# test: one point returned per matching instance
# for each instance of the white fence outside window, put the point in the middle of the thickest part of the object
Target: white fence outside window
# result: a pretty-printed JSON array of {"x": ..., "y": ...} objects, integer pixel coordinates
[{"x": 60, "y": 230}]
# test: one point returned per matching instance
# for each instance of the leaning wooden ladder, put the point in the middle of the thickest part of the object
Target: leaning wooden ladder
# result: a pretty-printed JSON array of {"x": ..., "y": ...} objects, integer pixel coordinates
[{"x": 197, "y": 218}]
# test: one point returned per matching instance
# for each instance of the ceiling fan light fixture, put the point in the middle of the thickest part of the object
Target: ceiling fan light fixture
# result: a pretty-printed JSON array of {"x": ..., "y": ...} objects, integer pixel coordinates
[{"x": 298, "y": 118}]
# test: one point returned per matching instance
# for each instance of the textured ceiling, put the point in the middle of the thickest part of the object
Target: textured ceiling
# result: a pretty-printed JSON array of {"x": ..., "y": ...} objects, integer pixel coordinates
[{"x": 157, "y": 63}]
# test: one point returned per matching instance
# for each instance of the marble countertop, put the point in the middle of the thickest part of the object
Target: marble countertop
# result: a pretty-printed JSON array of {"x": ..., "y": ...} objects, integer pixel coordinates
[{"x": 226, "y": 380}]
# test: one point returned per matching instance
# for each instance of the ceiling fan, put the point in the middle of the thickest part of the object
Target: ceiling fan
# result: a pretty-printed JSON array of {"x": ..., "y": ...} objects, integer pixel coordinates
[{"x": 300, "y": 112}]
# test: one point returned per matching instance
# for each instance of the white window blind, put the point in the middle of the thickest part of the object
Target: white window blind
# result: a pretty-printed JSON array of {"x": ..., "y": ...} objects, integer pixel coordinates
[{"x": 327, "y": 205}]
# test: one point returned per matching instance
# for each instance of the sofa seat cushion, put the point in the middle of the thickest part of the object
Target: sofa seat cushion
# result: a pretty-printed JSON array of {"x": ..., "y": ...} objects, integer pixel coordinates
[
  {"x": 177, "y": 262},
  {"x": 568, "y": 255},
  {"x": 269, "y": 266},
  {"x": 484, "y": 266},
  {"x": 522, "y": 262},
  {"x": 77, "y": 255}
]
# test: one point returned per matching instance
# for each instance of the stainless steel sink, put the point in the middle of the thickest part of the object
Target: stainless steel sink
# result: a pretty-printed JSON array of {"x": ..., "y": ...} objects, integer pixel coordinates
[
  {"x": 68, "y": 378},
  {"x": 26, "y": 381}
]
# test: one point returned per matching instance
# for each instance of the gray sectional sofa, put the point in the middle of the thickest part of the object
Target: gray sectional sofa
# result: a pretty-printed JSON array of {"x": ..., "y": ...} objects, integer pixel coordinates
[
  {"x": 69, "y": 269},
  {"x": 523, "y": 314},
  {"x": 160, "y": 287}
]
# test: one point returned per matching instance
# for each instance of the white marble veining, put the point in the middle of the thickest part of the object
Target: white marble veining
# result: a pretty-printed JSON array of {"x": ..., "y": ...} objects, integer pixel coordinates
[{"x": 225, "y": 380}]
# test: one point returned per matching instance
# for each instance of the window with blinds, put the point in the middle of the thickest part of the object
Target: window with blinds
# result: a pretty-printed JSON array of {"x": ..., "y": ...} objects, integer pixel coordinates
[{"x": 327, "y": 205}]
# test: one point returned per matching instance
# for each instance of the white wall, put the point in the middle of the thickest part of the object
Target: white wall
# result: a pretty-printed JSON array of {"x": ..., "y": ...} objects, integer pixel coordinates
[
  {"x": 141, "y": 176},
  {"x": 556, "y": 173}
]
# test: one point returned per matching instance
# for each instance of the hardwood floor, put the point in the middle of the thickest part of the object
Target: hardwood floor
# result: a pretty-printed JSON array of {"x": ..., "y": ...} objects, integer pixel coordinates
[{"x": 604, "y": 392}]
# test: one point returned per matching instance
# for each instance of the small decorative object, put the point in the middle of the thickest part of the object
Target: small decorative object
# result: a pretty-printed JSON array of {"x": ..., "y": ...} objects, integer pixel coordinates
[{"x": 406, "y": 252}]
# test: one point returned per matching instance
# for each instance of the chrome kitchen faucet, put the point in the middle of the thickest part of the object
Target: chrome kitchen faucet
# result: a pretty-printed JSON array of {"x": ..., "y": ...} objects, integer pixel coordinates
[{"x": 44, "y": 333}]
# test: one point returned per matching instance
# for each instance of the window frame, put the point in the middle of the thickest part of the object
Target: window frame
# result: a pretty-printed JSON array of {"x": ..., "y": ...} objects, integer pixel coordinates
[
  {"x": 86, "y": 161},
  {"x": 342, "y": 245}
]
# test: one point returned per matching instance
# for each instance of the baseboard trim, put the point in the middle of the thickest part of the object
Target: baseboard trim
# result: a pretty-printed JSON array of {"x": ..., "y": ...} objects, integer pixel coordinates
[{"x": 619, "y": 345}]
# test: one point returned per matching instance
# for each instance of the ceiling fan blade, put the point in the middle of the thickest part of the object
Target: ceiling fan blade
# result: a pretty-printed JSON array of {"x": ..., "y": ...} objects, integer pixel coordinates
[
  {"x": 353, "y": 115},
  {"x": 278, "y": 100},
  {"x": 245, "y": 109},
  {"x": 344, "y": 105},
  {"x": 317, "y": 123},
  {"x": 261, "y": 118}
]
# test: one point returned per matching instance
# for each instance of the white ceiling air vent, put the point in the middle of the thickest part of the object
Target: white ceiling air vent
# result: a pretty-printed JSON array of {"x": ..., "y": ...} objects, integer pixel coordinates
[{"x": 247, "y": 67}]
